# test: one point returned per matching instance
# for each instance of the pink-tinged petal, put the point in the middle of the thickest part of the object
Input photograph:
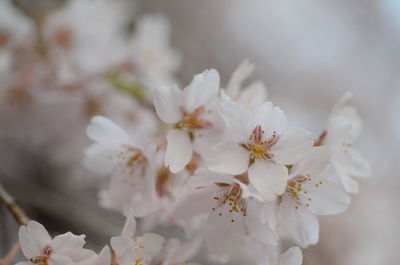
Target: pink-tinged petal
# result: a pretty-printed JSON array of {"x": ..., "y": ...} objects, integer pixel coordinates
[
  {"x": 314, "y": 164},
  {"x": 153, "y": 244},
  {"x": 348, "y": 112},
  {"x": 272, "y": 119},
  {"x": 345, "y": 181},
  {"x": 229, "y": 158},
  {"x": 33, "y": 239},
  {"x": 101, "y": 158},
  {"x": 102, "y": 129},
  {"x": 292, "y": 146},
  {"x": 203, "y": 89},
  {"x": 352, "y": 163},
  {"x": 120, "y": 244},
  {"x": 326, "y": 197},
  {"x": 298, "y": 225},
  {"x": 60, "y": 259},
  {"x": 24, "y": 263},
  {"x": 179, "y": 150},
  {"x": 238, "y": 120},
  {"x": 338, "y": 132},
  {"x": 268, "y": 178},
  {"x": 257, "y": 228},
  {"x": 205, "y": 178},
  {"x": 269, "y": 213},
  {"x": 69, "y": 244},
  {"x": 181, "y": 253},
  {"x": 292, "y": 256},
  {"x": 129, "y": 228},
  {"x": 221, "y": 232},
  {"x": 241, "y": 73},
  {"x": 104, "y": 258},
  {"x": 195, "y": 202},
  {"x": 168, "y": 103},
  {"x": 253, "y": 96}
]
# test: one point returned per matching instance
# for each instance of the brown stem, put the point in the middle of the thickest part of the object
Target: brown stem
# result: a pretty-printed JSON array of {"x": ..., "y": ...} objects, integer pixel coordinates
[
  {"x": 13, "y": 207},
  {"x": 10, "y": 256}
]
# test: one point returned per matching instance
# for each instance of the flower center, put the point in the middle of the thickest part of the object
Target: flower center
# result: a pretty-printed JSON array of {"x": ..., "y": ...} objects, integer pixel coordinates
[
  {"x": 43, "y": 260},
  {"x": 257, "y": 147},
  {"x": 193, "y": 121},
  {"x": 296, "y": 191},
  {"x": 232, "y": 199},
  {"x": 133, "y": 159}
]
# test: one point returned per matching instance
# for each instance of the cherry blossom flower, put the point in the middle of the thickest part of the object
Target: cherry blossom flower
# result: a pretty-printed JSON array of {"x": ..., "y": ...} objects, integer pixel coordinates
[
  {"x": 261, "y": 144},
  {"x": 230, "y": 216},
  {"x": 75, "y": 41},
  {"x": 138, "y": 250},
  {"x": 343, "y": 128},
  {"x": 308, "y": 193},
  {"x": 192, "y": 115},
  {"x": 150, "y": 52},
  {"x": 39, "y": 248},
  {"x": 129, "y": 160}
]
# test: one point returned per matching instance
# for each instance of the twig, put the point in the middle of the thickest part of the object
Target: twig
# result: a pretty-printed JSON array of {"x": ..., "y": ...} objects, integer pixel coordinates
[
  {"x": 10, "y": 256},
  {"x": 13, "y": 207}
]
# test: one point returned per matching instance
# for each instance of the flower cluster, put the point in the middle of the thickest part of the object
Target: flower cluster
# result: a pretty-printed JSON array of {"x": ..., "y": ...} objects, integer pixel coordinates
[
  {"x": 219, "y": 162},
  {"x": 228, "y": 166}
]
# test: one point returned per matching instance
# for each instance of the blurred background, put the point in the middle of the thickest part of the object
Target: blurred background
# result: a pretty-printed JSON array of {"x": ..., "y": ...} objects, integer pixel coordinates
[{"x": 308, "y": 53}]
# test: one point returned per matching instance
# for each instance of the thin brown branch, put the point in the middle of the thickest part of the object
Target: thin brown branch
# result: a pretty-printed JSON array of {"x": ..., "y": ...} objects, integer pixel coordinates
[
  {"x": 10, "y": 256},
  {"x": 13, "y": 207}
]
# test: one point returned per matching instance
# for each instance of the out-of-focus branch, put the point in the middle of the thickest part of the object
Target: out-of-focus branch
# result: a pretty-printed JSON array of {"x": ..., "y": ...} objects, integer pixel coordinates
[
  {"x": 10, "y": 256},
  {"x": 12, "y": 206}
]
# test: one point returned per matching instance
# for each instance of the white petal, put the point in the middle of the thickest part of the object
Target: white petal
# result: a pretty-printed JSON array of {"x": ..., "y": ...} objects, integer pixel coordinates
[
  {"x": 268, "y": 178},
  {"x": 129, "y": 228},
  {"x": 120, "y": 243},
  {"x": 33, "y": 239},
  {"x": 350, "y": 185},
  {"x": 228, "y": 157},
  {"x": 292, "y": 146},
  {"x": 326, "y": 197},
  {"x": 297, "y": 225},
  {"x": 272, "y": 119},
  {"x": 59, "y": 259},
  {"x": 241, "y": 73},
  {"x": 253, "y": 96},
  {"x": 352, "y": 163},
  {"x": 203, "y": 90},
  {"x": 153, "y": 244},
  {"x": 195, "y": 202},
  {"x": 238, "y": 120},
  {"x": 68, "y": 244},
  {"x": 257, "y": 228},
  {"x": 102, "y": 129},
  {"x": 221, "y": 232},
  {"x": 168, "y": 102},
  {"x": 24, "y": 263},
  {"x": 314, "y": 164},
  {"x": 205, "y": 178},
  {"x": 104, "y": 257},
  {"x": 292, "y": 256},
  {"x": 179, "y": 150},
  {"x": 101, "y": 158},
  {"x": 269, "y": 213},
  {"x": 338, "y": 132}
]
